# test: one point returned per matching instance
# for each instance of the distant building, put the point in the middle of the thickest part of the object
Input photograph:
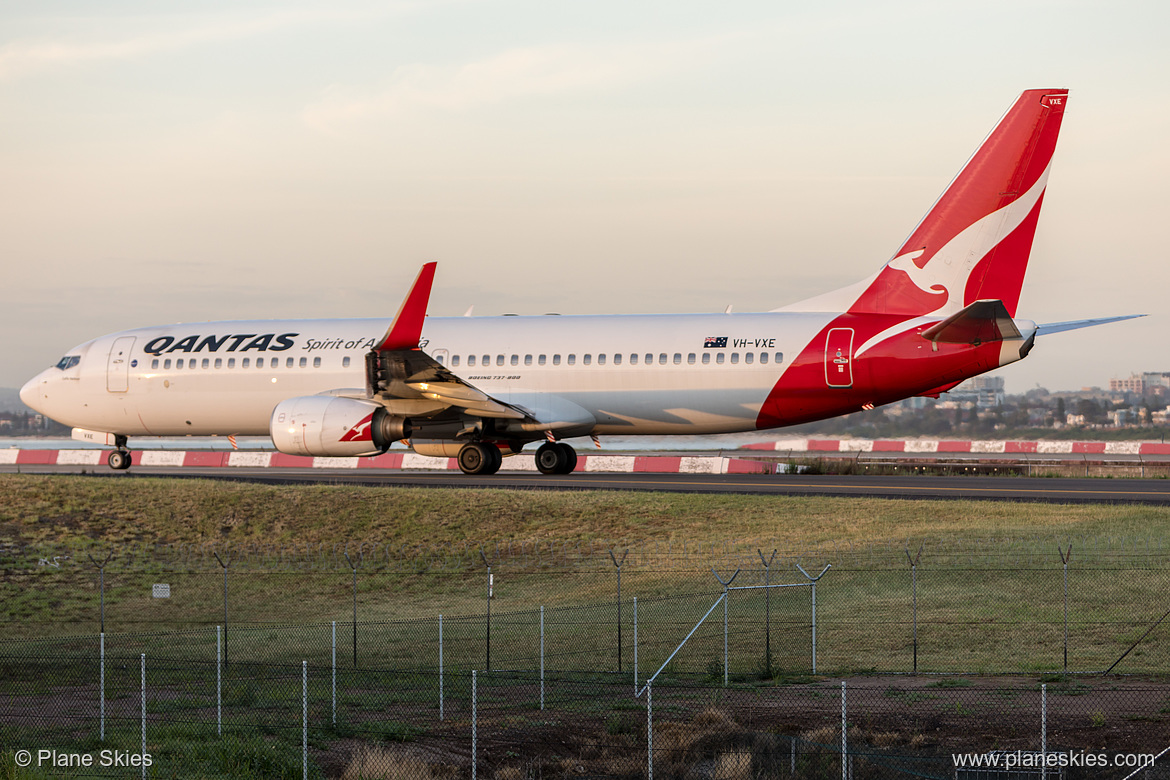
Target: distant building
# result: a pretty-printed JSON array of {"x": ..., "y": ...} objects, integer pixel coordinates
[
  {"x": 986, "y": 392},
  {"x": 1135, "y": 383}
]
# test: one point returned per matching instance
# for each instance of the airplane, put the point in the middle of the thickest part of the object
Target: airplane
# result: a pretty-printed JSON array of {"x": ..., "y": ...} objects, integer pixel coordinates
[{"x": 481, "y": 388}]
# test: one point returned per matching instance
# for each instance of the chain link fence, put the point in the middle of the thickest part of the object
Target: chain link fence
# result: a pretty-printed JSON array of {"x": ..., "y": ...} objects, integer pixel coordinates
[{"x": 524, "y": 661}]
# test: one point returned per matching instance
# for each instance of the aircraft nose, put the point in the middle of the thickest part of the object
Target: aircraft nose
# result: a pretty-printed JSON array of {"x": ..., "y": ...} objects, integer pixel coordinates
[{"x": 30, "y": 394}]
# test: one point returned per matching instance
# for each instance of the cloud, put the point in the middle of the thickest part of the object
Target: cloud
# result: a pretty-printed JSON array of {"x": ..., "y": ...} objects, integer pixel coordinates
[
  {"x": 516, "y": 74},
  {"x": 22, "y": 58}
]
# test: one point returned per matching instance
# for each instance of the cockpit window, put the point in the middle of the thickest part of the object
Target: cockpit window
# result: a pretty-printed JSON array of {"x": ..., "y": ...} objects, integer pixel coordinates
[{"x": 69, "y": 361}]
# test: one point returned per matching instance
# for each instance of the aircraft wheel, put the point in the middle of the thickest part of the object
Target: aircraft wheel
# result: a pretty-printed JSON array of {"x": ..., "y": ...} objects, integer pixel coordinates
[
  {"x": 550, "y": 458},
  {"x": 496, "y": 459},
  {"x": 570, "y": 459},
  {"x": 476, "y": 458},
  {"x": 119, "y": 460}
]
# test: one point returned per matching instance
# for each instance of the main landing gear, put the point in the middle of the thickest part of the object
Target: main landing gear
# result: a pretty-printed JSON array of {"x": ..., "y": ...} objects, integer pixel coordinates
[
  {"x": 120, "y": 459},
  {"x": 483, "y": 458},
  {"x": 480, "y": 459},
  {"x": 556, "y": 458}
]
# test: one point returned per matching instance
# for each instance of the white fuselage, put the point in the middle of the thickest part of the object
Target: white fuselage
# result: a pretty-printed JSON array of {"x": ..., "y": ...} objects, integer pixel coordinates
[{"x": 640, "y": 374}]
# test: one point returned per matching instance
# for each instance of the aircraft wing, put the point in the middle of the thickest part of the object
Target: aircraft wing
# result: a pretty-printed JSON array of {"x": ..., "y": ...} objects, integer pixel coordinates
[
  {"x": 401, "y": 376},
  {"x": 1058, "y": 327}
]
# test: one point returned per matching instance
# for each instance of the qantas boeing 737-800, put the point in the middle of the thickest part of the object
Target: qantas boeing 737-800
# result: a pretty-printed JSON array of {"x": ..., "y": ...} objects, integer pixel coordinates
[{"x": 477, "y": 388}]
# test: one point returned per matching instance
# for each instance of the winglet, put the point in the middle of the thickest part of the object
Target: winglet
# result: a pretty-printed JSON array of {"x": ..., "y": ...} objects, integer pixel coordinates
[{"x": 406, "y": 330}]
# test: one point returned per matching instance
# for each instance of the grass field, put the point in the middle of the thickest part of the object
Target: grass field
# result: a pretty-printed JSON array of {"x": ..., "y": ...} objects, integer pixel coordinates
[{"x": 989, "y": 599}]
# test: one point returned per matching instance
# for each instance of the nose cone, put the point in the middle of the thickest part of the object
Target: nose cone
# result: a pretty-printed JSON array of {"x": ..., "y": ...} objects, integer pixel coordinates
[{"x": 30, "y": 394}]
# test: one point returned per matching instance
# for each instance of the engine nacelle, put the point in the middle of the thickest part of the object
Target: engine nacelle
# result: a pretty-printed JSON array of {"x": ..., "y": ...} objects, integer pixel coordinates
[{"x": 334, "y": 427}]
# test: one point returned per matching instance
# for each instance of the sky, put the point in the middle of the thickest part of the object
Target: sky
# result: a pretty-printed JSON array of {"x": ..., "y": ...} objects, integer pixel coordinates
[{"x": 170, "y": 162}]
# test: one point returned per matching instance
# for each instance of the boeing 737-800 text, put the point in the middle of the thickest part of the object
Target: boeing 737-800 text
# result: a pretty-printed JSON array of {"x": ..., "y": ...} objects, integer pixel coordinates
[{"x": 477, "y": 388}]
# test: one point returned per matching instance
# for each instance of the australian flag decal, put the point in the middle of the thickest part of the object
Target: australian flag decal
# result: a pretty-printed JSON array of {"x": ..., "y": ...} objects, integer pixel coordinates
[{"x": 715, "y": 342}]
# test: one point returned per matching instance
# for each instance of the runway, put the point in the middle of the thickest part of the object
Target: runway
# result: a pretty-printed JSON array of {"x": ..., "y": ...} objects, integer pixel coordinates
[{"x": 1051, "y": 490}]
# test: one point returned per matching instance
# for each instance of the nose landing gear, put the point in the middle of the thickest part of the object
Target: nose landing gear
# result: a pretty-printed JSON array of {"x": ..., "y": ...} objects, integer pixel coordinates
[{"x": 120, "y": 459}]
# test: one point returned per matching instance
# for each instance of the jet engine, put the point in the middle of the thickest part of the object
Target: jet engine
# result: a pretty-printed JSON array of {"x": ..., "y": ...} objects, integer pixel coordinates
[{"x": 331, "y": 426}]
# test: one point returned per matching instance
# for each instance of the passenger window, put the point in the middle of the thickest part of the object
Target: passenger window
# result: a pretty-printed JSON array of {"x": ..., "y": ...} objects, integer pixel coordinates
[
  {"x": 231, "y": 362},
  {"x": 246, "y": 363},
  {"x": 719, "y": 358},
  {"x": 260, "y": 362},
  {"x": 541, "y": 359},
  {"x": 454, "y": 360},
  {"x": 179, "y": 363},
  {"x": 499, "y": 360},
  {"x": 219, "y": 362},
  {"x": 601, "y": 359},
  {"x": 154, "y": 363},
  {"x": 763, "y": 357},
  {"x": 528, "y": 360},
  {"x": 515, "y": 360},
  {"x": 691, "y": 359},
  {"x": 706, "y": 358},
  {"x": 678, "y": 358},
  {"x": 441, "y": 359},
  {"x": 191, "y": 364},
  {"x": 734, "y": 358},
  {"x": 588, "y": 359},
  {"x": 572, "y": 360},
  {"x": 345, "y": 362},
  {"x": 316, "y": 362},
  {"x": 556, "y": 360},
  {"x": 288, "y": 362},
  {"x": 471, "y": 361},
  {"x": 486, "y": 361},
  {"x": 167, "y": 363},
  {"x": 649, "y": 359},
  {"x": 206, "y": 362},
  {"x": 617, "y": 359},
  {"x": 749, "y": 357},
  {"x": 662, "y": 358},
  {"x": 779, "y": 357},
  {"x": 633, "y": 359}
]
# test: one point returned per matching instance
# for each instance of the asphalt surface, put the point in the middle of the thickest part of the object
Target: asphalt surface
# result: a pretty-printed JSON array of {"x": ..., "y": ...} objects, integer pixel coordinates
[{"x": 1052, "y": 490}]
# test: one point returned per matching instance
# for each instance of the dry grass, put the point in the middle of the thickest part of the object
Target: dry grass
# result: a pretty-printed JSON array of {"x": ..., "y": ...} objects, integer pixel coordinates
[
  {"x": 38, "y": 509},
  {"x": 377, "y": 762}
]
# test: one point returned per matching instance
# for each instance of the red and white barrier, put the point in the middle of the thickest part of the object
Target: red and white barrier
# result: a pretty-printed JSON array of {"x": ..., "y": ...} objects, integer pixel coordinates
[
  {"x": 942, "y": 446},
  {"x": 395, "y": 461}
]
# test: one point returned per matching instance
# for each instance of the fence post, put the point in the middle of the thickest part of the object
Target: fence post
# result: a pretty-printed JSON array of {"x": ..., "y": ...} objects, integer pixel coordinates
[
  {"x": 333, "y": 662},
  {"x": 354, "y": 569},
  {"x": 542, "y": 657},
  {"x": 305, "y": 720},
  {"x": 1043, "y": 730},
  {"x": 102, "y": 685},
  {"x": 618, "y": 564},
  {"x": 218, "y": 684},
  {"x": 813, "y": 583},
  {"x": 1064, "y": 559},
  {"x": 440, "y": 667},
  {"x": 635, "y": 645},
  {"x": 474, "y": 723},
  {"x": 649, "y": 732},
  {"x": 726, "y": 598},
  {"x": 914, "y": 592},
  {"x": 844, "y": 737},
  {"x": 143, "y": 713},
  {"x": 101, "y": 567},
  {"x": 488, "y": 639},
  {"x": 225, "y": 613},
  {"x": 767, "y": 610}
]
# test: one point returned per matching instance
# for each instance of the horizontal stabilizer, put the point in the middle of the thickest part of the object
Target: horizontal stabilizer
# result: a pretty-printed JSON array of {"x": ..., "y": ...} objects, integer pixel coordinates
[
  {"x": 1057, "y": 327},
  {"x": 982, "y": 322}
]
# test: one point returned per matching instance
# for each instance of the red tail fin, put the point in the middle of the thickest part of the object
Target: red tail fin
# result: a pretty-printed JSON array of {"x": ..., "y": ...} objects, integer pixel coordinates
[{"x": 974, "y": 243}]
